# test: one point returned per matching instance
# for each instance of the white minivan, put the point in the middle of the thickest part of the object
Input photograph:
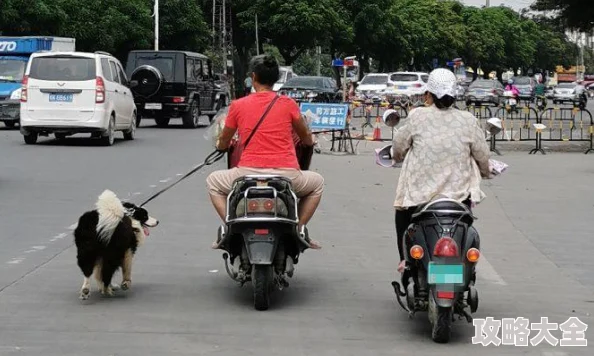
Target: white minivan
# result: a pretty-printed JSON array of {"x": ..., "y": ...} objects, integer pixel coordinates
[{"x": 67, "y": 93}]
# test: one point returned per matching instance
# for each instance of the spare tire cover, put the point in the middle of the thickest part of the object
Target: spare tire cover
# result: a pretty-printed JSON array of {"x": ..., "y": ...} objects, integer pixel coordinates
[{"x": 149, "y": 80}]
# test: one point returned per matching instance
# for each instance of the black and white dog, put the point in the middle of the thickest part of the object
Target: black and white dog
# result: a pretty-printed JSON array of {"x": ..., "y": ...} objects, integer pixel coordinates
[{"x": 107, "y": 238}]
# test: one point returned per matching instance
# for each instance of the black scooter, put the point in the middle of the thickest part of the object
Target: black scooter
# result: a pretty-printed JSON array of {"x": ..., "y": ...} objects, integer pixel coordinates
[{"x": 441, "y": 251}]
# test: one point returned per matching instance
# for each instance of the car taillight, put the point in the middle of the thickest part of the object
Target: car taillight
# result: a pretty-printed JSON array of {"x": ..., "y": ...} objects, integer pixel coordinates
[
  {"x": 446, "y": 247},
  {"x": 260, "y": 205},
  {"x": 99, "y": 90},
  {"x": 417, "y": 85},
  {"x": 445, "y": 295},
  {"x": 179, "y": 99},
  {"x": 24, "y": 89}
]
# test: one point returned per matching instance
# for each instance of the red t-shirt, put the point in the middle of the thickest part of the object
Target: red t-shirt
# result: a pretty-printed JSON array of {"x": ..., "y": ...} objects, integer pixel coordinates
[{"x": 273, "y": 145}]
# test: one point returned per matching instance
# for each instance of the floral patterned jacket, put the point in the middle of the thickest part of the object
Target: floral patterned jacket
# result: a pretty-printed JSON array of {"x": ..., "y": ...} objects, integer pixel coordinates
[{"x": 444, "y": 155}]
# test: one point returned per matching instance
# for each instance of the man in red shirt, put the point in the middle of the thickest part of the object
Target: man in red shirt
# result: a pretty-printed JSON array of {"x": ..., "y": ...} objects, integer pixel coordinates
[{"x": 272, "y": 148}]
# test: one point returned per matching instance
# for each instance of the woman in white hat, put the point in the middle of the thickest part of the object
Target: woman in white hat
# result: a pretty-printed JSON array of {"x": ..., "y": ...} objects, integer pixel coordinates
[{"x": 444, "y": 154}]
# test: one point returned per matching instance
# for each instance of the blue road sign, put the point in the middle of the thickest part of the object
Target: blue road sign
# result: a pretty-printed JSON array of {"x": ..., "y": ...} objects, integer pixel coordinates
[
  {"x": 325, "y": 116},
  {"x": 435, "y": 62},
  {"x": 450, "y": 64},
  {"x": 337, "y": 63}
]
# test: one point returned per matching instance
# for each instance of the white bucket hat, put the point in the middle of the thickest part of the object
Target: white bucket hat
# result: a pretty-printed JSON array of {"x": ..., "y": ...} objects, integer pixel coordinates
[{"x": 442, "y": 82}]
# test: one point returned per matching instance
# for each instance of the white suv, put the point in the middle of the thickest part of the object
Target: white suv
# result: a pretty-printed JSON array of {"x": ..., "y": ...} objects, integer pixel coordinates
[
  {"x": 408, "y": 83},
  {"x": 66, "y": 93}
]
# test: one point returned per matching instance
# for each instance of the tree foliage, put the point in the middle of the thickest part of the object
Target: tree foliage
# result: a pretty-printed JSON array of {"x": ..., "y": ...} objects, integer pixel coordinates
[
  {"x": 576, "y": 14},
  {"x": 384, "y": 34}
]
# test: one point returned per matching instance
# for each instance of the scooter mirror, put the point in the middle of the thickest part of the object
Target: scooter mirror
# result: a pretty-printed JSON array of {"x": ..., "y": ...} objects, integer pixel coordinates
[
  {"x": 383, "y": 156},
  {"x": 494, "y": 126},
  {"x": 391, "y": 118}
]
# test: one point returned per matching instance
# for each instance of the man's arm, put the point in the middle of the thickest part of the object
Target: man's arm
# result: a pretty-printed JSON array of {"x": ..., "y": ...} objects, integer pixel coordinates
[
  {"x": 229, "y": 130},
  {"x": 225, "y": 138},
  {"x": 479, "y": 149},
  {"x": 402, "y": 141},
  {"x": 302, "y": 130}
]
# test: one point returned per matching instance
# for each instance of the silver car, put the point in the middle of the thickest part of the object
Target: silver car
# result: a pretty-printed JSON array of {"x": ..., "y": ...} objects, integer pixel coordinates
[
  {"x": 567, "y": 92},
  {"x": 484, "y": 91}
]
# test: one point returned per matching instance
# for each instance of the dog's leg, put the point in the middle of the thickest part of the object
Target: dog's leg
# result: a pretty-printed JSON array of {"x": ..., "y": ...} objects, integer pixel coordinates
[
  {"x": 110, "y": 266},
  {"x": 127, "y": 270},
  {"x": 85, "y": 290},
  {"x": 97, "y": 274},
  {"x": 86, "y": 264}
]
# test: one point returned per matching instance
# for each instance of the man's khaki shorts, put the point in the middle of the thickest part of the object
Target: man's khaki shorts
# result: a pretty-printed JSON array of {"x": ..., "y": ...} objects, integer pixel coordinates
[{"x": 305, "y": 183}]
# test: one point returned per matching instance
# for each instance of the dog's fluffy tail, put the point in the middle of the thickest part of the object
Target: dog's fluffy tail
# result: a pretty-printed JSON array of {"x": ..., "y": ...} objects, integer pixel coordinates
[{"x": 111, "y": 212}]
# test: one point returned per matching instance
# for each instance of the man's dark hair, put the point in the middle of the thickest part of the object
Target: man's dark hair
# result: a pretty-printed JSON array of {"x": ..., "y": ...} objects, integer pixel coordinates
[
  {"x": 265, "y": 68},
  {"x": 444, "y": 103}
]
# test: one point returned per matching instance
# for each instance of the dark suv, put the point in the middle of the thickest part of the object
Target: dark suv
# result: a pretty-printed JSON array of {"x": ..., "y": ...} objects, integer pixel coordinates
[{"x": 170, "y": 84}]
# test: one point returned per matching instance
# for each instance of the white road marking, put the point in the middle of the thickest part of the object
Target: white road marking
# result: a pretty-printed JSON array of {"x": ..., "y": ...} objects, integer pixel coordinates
[
  {"x": 152, "y": 186},
  {"x": 165, "y": 180},
  {"x": 73, "y": 226},
  {"x": 29, "y": 251},
  {"x": 15, "y": 261},
  {"x": 213, "y": 271},
  {"x": 137, "y": 193},
  {"x": 38, "y": 248},
  {"x": 486, "y": 272}
]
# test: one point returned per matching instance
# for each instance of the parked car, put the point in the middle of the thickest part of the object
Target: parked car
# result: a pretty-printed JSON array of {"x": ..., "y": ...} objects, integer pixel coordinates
[
  {"x": 172, "y": 84},
  {"x": 319, "y": 89},
  {"x": 484, "y": 91},
  {"x": 373, "y": 84},
  {"x": 407, "y": 83},
  {"x": 567, "y": 92},
  {"x": 526, "y": 87},
  {"x": 67, "y": 93},
  {"x": 286, "y": 74}
]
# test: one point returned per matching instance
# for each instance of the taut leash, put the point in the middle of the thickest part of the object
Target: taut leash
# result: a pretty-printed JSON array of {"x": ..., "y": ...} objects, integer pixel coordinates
[{"x": 210, "y": 159}]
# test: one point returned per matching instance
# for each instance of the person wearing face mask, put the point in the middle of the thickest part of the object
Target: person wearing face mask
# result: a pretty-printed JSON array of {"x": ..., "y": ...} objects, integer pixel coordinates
[{"x": 443, "y": 153}]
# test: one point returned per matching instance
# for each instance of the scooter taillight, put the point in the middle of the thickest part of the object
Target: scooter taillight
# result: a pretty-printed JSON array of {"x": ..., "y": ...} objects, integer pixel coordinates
[{"x": 446, "y": 247}]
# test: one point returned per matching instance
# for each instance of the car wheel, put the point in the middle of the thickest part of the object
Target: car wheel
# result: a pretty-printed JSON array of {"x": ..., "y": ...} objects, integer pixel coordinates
[
  {"x": 130, "y": 133},
  {"x": 10, "y": 124},
  {"x": 31, "y": 138},
  {"x": 191, "y": 118},
  {"x": 108, "y": 137},
  {"x": 138, "y": 119}
]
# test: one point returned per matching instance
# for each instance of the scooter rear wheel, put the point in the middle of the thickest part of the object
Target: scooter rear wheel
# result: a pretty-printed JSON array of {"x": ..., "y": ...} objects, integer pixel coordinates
[
  {"x": 442, "y": 327},
  {"x": 262, "y": 281}
]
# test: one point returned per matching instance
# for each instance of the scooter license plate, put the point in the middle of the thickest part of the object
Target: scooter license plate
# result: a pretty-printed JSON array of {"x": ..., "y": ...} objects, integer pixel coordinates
[{"x": 445, "y": 273}]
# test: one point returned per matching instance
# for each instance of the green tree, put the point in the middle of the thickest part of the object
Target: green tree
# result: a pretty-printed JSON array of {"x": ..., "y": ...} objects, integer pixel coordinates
[{"x": 575, "y": 14}]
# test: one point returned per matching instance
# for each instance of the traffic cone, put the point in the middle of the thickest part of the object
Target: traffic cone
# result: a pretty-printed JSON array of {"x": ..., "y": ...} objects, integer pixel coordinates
[{"x": 377, "y": 132}]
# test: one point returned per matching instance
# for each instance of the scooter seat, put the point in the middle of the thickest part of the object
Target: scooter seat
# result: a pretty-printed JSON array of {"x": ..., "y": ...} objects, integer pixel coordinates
[{"x": 444, "y": 207}]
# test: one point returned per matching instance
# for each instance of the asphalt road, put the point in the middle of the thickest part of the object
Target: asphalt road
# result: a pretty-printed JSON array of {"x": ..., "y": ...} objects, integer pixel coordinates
[{"x": 536, "y": 239}]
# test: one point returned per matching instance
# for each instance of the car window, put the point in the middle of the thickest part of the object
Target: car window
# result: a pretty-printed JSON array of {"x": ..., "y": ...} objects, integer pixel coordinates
[
  {"x": 198, "y": 69},
  {"x": 190, "y": 73},
  {"x": 106, "y": 69},
  {"x": 289, "y": 75},
  {"x": 12, "y": 69},
  {"x": 522, "y": 81},
  {"x": 375, "y": 79},
  {"x": 114, "y": 70},
  {"x": 425, "y": 78},
  {"x": 482, "y": 84},
  {"x": 305, "y": 82},
  {"x": 164, "y": 63},
  {"x": 63, "y": 68},
  {"x": 123, "y": 78},
  {"x": 205, "y": 71},
  {"x": 404, "y": 77},
  {"x": 566, "y": 86}
]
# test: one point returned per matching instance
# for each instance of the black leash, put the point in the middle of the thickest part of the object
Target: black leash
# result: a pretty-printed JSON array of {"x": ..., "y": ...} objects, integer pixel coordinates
[{"x": 210, "y": 159}]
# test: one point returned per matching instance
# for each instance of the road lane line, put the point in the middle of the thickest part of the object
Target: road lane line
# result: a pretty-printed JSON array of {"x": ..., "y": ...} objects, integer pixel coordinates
[
  {"x": 15, "y": 261},
  {"x": 486, "y": 272},
  {"x": 153, "y": 186},
  {"x": 73, "y": 226},
  {"x": 165, "y": 180}
]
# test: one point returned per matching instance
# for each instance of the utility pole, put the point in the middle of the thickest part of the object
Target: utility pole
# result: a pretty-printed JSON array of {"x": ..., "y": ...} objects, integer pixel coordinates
[
  {"x": 257, "y": 40},
  {"x": 319, "y": 60},
  {"x": 156, "y": 25},
  {"x": 488, "y": 4}
]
